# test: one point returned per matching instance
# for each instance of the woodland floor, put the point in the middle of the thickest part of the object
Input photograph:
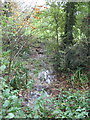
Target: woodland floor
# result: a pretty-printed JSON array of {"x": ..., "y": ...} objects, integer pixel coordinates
[{"x": 36, "y": 62}]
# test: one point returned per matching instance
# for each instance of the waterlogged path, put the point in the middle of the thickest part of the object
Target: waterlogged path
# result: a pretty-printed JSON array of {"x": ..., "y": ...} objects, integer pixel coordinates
[{"x": 41, "y": 74}]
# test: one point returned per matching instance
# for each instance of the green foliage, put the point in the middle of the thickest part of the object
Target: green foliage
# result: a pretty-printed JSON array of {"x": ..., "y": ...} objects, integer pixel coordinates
[
  {"x": 48, "y": 27},
  {"x": 50, "y": 22},
  {"x": 59, "y": 61},
  {"x": 78, "y": 78},
  {"x": 20, "y": 76},
  {"x": 76, "y": 56},
  {"x": 68, "y": 104},
  {"x": 4, "y": 62},
  {"x": 11, "y": 105},
  {"x": 72, "y": 105},
  {"x": 40, "y": 109}
]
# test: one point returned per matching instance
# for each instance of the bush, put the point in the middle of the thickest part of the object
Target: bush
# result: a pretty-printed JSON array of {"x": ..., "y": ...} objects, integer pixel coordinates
[{"x": 71, "y": 58}]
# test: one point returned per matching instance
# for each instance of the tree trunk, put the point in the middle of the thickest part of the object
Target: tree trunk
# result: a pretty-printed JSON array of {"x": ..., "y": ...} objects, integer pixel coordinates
[{"x": 70, "y": 21}]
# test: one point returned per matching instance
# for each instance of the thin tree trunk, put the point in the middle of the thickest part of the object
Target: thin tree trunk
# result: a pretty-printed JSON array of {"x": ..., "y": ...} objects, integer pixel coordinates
[{"x": 57, "y": 38}]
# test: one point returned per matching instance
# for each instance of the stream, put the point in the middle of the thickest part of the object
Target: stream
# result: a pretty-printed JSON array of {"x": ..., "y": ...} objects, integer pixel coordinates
[{"x": 42, "y": 81}]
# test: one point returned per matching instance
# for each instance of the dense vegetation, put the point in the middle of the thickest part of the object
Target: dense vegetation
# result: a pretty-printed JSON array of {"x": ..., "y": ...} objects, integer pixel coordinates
[{"x": 59, "y": 32}]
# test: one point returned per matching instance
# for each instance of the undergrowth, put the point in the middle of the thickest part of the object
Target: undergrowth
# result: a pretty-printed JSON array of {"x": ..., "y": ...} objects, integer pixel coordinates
[{"x": 68, "y": 104}]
